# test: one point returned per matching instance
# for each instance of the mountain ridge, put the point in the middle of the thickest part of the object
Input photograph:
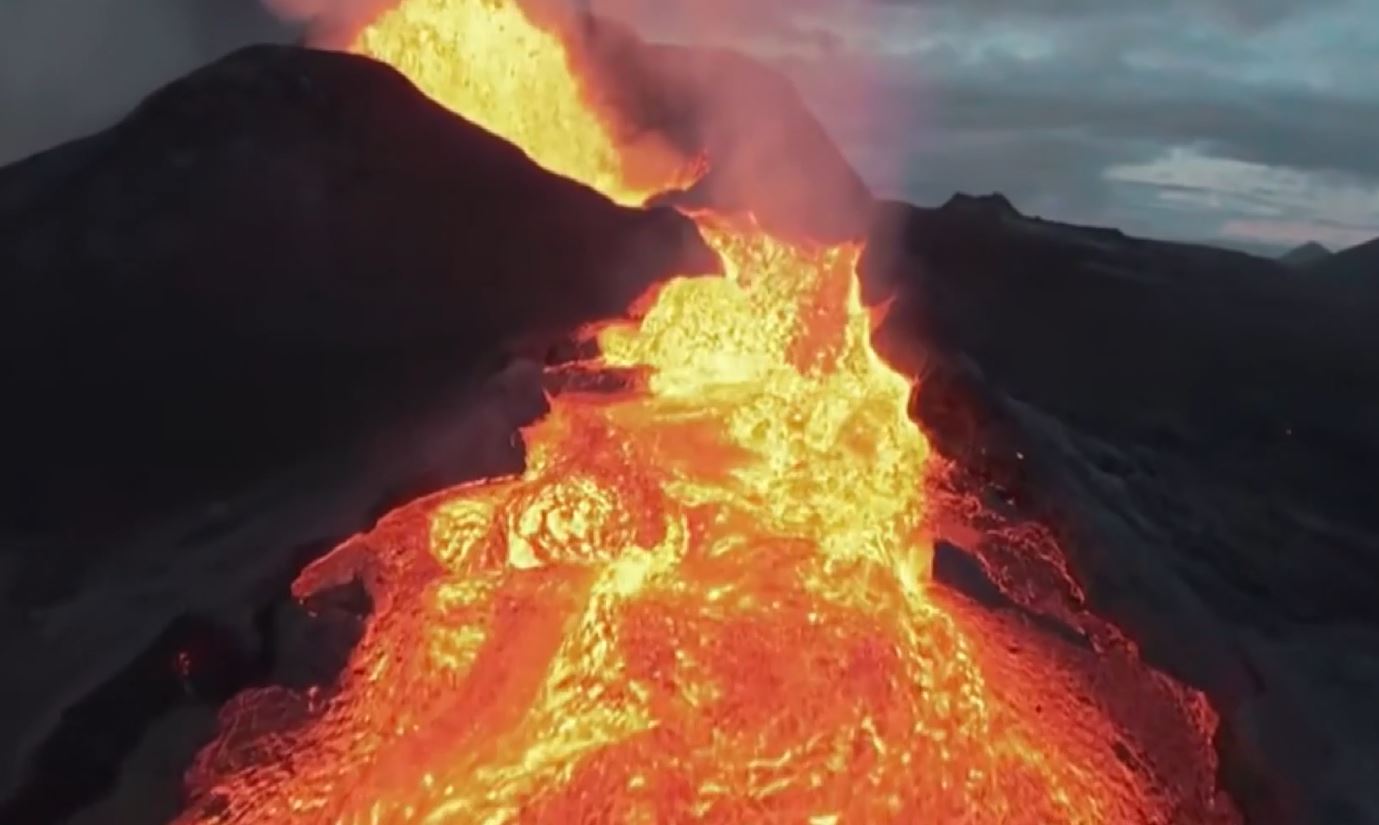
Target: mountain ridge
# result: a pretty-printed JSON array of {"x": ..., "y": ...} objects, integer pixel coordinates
[
  {"x": 1358, "y": 264},
  {"x": 1305, "y": 255}
]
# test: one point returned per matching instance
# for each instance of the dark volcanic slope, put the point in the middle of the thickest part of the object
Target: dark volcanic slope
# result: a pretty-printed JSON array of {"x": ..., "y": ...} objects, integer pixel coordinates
[
  {"x": 1358, "y": 265},
  {"x": 1307, "y": 255},
  {"x": 262, "y": 253},
  {"x": 1202, "y": 427},
  {"x": 1154, "y": 340}
]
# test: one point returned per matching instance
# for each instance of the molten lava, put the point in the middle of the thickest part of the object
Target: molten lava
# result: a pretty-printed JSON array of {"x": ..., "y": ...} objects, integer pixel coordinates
[
  {"x": 706, "y": 599},
  {"x": 486, "y": 61}
]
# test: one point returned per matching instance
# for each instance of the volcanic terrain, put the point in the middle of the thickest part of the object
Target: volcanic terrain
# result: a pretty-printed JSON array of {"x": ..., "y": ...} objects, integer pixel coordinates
[{"x": 293, "y": 300}]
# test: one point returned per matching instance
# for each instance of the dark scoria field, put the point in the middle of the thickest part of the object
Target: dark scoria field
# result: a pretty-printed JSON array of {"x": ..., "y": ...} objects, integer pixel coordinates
[{"x": 288, "y": 293}]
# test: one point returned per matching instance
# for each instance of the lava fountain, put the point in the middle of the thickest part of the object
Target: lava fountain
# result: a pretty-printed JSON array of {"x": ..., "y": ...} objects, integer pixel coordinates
[{"x": 706, "y": 599}]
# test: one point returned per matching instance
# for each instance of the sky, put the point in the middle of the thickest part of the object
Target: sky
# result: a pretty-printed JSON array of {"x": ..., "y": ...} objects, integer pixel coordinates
[{"x": 1252, "y": 123}]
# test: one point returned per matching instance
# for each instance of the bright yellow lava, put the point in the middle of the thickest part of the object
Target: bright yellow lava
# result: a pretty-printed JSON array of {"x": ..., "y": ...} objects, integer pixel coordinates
[
  {"x": 484, "y": 59},
  {"x": 706, "y": 598}
]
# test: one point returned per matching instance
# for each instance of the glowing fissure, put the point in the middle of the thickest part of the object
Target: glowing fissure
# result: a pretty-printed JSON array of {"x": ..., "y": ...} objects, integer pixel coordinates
[{"x": 706, "y": 598}]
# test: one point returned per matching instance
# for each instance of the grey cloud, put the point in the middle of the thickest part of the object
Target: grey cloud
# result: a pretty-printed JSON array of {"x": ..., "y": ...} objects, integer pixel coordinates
[
  {"x": 70, "y": 67},
  {"x": 1038, "y": 98},
  {"x": 1062, "y": 95},
  {"x": 1246, "y": 13},
  {"x": 1088, "y": 84},
  {"x": 1283, "y": 129}
]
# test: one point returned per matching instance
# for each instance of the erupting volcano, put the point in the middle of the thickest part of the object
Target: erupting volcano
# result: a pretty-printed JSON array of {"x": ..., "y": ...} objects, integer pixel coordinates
[{"x": 708, "y": 596}]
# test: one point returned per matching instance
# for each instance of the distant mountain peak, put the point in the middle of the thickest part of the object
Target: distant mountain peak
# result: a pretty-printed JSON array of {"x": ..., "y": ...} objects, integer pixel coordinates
[
  {"x": 1359, "y": 264},
  {"x": 992, "y": 204},
  {"x": 1305, "y": 255}
]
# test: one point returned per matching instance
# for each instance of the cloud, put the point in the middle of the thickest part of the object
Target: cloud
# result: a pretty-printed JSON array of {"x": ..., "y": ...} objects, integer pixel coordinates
[
  {"x": 1278, "y": 233},
  {"x": 1245, "y": 13},
  {"x": 1262, "y": 204},
  {"x": 1039, "y": 98},
  {"x": 71, "y": 67}
]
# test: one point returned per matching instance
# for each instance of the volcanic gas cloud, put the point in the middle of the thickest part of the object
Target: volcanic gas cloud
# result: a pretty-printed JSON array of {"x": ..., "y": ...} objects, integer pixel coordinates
[{"x": 707, "y": 598}]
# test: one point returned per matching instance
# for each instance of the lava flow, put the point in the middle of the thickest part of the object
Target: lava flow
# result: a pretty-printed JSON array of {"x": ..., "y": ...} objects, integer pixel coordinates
[{"x": 706, "y": 599}]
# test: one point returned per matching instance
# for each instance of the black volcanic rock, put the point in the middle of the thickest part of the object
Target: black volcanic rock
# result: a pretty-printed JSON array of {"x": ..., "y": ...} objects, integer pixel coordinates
[
  {"x": 1358, "y": 264},
  {"x": 1155, "y": 339},
  {"x": 1201, "y": 428},
  {"x": 192, "y": 660},
  {"x": 268, "y": 251}
]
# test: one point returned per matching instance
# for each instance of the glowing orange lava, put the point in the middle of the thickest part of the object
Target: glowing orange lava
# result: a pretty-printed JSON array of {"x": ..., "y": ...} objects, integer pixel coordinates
[
  {"x": 705, "y": 600},
  {"x": 486, "y": 61}
]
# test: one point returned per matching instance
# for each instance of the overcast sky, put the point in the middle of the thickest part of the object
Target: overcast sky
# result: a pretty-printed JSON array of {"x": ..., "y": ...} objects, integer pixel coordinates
[{"x": 1234, "y": 121}]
